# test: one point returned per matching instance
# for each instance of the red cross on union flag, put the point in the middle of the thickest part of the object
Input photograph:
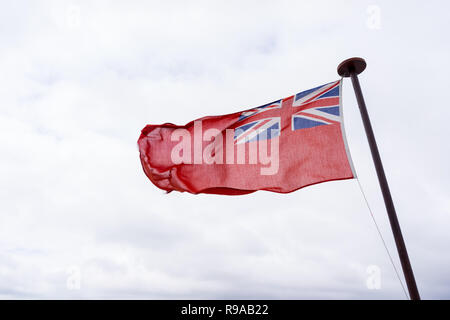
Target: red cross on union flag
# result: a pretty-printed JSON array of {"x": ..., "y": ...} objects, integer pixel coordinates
[{"x": 280, "y": 146}]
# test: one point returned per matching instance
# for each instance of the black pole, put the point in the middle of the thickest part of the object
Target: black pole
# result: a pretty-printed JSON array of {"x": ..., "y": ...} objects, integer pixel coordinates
[{"x": 351, "y": 68}]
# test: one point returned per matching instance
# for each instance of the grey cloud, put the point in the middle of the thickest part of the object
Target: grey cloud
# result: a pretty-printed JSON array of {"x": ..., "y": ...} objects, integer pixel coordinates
[{"x": 77, "y": 90}]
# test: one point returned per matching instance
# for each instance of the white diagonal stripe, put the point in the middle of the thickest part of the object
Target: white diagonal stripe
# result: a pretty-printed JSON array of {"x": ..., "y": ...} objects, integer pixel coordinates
[
  {"x": 308, "y": 96},
  {"x": 323, "y": 114}
]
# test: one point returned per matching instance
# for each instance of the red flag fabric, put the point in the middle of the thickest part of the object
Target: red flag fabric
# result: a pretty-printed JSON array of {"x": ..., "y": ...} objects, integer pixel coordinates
[{"x": 281, "y": 147}]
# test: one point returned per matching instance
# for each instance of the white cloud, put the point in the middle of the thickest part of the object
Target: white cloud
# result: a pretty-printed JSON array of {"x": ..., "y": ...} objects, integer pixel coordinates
[{"x": 81, "y": 78}]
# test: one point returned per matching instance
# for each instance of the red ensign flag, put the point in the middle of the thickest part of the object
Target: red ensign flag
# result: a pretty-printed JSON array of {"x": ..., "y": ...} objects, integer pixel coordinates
[{"x": 281, "y": 147}]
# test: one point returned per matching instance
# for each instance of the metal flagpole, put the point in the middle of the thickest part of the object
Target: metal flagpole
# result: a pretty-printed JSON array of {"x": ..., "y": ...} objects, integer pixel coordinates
[{"x": 351, "y": 68}]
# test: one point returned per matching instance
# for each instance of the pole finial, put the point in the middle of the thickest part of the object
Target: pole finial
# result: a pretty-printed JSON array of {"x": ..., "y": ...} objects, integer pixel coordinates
[{"x": 355, "y": 64}]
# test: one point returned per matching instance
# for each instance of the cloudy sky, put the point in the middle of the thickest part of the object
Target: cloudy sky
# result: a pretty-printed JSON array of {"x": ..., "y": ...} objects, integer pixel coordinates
[{"x": 80, "y": 79}]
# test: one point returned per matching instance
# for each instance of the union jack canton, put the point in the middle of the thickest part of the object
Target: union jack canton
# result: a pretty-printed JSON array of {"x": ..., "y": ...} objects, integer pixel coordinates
[{"x": 311, "y": 108}]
